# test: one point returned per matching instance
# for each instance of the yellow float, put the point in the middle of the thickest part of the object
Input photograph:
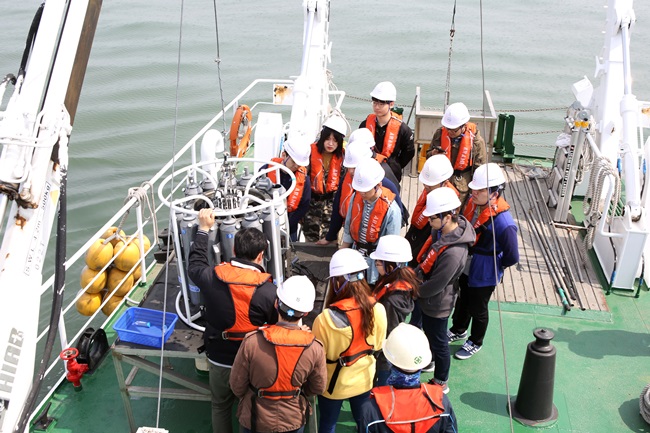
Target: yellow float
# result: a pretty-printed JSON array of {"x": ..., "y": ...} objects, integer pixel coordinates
[
  {"x": 112, "y": 304},
  {"x": 87, "y": 275},
  {"x": 126, "y": 256},
  {"x": 88, "y": 303},
  {"x": 147, "y": 242},
  {"x": 110, "y": 232},
  {"x": 115, "y": 276},
  {"x": 99, "y": 254}
]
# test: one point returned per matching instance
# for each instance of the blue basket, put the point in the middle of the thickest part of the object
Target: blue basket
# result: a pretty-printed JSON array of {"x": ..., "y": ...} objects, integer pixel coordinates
[{"x": 144, "y": 326}]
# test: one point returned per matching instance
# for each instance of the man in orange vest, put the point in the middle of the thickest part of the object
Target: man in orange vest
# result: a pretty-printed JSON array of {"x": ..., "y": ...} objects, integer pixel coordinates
[
  {"x": 295, "y": 157},
  {"x": 372, "y": 213},
  {"x": 279, "y": 366},
  {"x": 239, "y": 298},
  {"x": 459, "y": 139},
  {"x": 405, "y": 405},
  {"x": 393, "y": 138}
]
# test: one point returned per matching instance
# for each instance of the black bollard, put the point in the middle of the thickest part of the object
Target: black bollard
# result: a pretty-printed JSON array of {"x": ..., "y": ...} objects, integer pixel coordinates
[{"x": 533, "y": 405}]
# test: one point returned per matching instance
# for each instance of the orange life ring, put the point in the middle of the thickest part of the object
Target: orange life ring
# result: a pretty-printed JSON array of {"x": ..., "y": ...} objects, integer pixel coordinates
[{"x": 239, "y": 142}]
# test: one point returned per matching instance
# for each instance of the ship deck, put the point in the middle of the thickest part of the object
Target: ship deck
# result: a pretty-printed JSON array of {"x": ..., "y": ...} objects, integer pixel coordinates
[{"x": 601, "y": 364}]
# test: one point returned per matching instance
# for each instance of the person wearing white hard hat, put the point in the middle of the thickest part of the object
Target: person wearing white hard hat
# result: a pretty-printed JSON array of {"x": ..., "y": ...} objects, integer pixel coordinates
[
  {"x": 393, "y": 138},
  {"x": 372, "y": 213},
  {"x": 239, "y": 297},
  {"x": 279, "y": 366},
  {"x": 487, "y": 210},
  {"x": 352, "y": 327},
  {"x": 295, "y": 157},
  {"x": 460, "y": 141},
  {"x": 440, "y": 263},
  {"x": 436, "y": 172},
  {"x": 326, "y": 172},
  {"x": 357, "y": 150},
  {"x": 396, "y": 288},
  {"x": 405, "y": 404}
]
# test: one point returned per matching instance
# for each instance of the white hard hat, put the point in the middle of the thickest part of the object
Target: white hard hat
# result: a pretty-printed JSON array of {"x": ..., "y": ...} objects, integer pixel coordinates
[
  {"x": 299, "y": 151},
  {"x": 455, "y": 115},
  {"x": 486, "y": 176},
  {"x": 347, "y": 261},
  {"x": 441, "y": 200},
  {"x": 337, "y": 123},
  {"x": 384, "y": 91},
  {"x": 355, "y": 153},
  {"x": 393, "y": 248},
  {"x": 407, "y": 348},
  {"x": 367, "y": 175},
  {"x": 436, "y": 170},
  {"x": 362, "y": 135},
  {"x": 297, "y": 293}
]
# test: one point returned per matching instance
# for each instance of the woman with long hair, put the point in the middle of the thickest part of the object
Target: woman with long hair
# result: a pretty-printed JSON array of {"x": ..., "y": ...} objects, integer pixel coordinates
[
  {"x": 351, "y": 328},
  {"x": 326, "y": 172},
  {"x": 396, "y": 288}
]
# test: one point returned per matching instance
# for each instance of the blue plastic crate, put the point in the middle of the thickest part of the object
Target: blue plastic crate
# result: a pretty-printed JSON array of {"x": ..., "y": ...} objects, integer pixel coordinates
[{"x": 144, "y": 326}]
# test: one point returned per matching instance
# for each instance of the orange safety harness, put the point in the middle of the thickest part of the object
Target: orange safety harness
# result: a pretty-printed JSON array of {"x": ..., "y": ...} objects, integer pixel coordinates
[
  {"x": 294, "y": 198},
  {"x": 395, "y": 286},
  {"x": 410, "y": 410},
  {"x": 464, "y": 157},
  {"x": 358, "y": 347},
  {"x": 377, "y": 215},
  {"x": 418, "y": 220},
  {"x": 317, "y": 172},
  {"x": 428, "y": 255},
  {"x": 242, "y": 284},
  {"x": 289, "y": 346},
  {"x": 390, "y": 140},
  {"x": 346, "y": 194},
  {"x": 490, "y": 211}
]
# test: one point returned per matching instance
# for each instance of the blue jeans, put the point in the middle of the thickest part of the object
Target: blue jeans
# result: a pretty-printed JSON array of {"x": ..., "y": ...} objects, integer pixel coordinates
[
  {"x": 436, "y": 331},
  {"x": 329, "y": 411}
]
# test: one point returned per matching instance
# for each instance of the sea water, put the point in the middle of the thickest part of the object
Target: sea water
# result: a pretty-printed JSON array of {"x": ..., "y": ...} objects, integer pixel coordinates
[{"x": 141, "y": 99}]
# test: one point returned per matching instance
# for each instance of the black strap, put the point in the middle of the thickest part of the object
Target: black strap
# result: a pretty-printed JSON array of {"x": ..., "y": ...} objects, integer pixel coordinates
[{"x": 335, "y": 377}]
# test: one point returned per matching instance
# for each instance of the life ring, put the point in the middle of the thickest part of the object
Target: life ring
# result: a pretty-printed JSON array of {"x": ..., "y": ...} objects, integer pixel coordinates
[{"x": 239, "y": 141}]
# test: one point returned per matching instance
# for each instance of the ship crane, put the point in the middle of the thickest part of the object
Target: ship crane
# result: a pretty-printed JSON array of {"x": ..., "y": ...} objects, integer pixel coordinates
[{"x": 604, "y": 138}]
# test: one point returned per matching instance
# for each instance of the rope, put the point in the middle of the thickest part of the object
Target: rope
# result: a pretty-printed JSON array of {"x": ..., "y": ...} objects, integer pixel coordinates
[
  {"x": 452, "y": 32},
  {"x": 140, "y": 194},
  {"x": 644, "y": 403},
  {"x": 218, "y": 61},
  {"x": 600, "y": 169}
]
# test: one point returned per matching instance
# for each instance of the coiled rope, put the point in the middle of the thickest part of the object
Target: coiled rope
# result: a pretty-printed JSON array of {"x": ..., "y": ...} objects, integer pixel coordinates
[
  {"x": 600, "y": 169},
  {"x": 644, "y": 403}
]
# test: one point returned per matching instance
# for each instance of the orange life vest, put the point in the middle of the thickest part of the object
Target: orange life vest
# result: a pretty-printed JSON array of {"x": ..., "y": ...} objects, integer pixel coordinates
[
  {"x": 464, "y": 157},
  {"x": 289, "y": 345},
  {"x": 358, "y": 347},
  {"x": 317, "y": 174},
  {"x": 398, "y": 285},
  {"x": 428, "y": 256},
  {"x": 294, "y": 198},
  {"x": 418, "y": 220},
  {"x": 242, "y": 284},
  {"x": 410, "y": 410},
  {"x": 500, "y": 206},
  {"x": 346, "y": 194},
  {"x": 377, "y": 215},
  {"x": 390, "y": 139}
]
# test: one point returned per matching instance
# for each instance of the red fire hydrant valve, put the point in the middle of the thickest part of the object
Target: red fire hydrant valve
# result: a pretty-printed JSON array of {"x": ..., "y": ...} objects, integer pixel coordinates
[{"x": 75, "y": 370}]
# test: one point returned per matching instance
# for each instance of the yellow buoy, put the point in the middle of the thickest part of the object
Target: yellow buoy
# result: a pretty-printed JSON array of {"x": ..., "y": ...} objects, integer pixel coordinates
[
  {"x": 99, "y": 254},
  {"x": 110, "y": 232},
  {"x": 147, "y": 242},
  {"x": 112, "y": 304},
  {"x": 87, "y": 275},
  {"x": 126, "y": 256},
  {"x": 88, "y": 303},
  {"x": 115, "y": 276},
  {"x": 137, "y": 273}
]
